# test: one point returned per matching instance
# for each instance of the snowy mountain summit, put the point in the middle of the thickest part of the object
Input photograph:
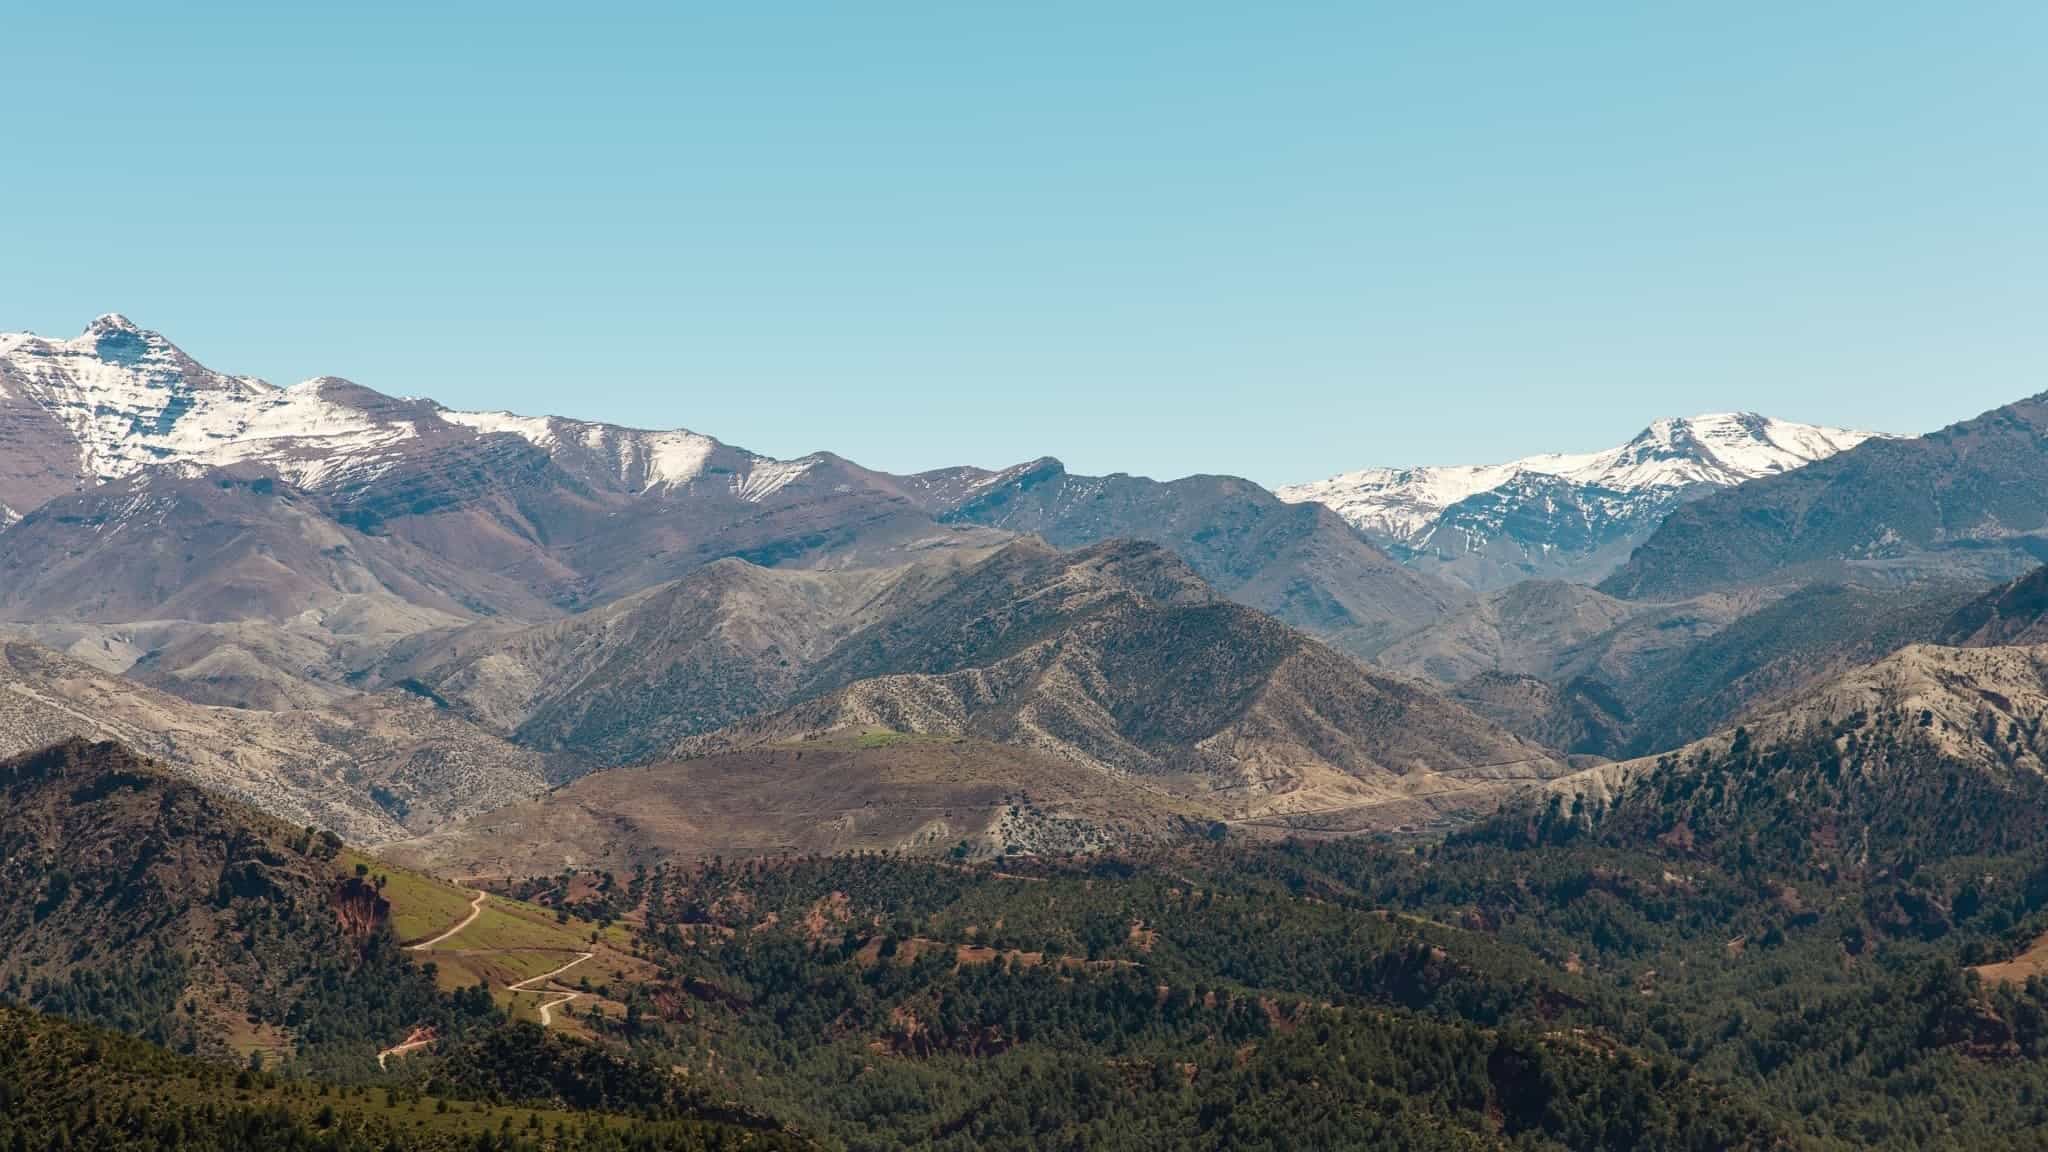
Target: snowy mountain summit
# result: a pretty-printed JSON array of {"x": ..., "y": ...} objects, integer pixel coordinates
[
  {"x": 1573, "y": 516},
  {"x": 119, "y": 399}
]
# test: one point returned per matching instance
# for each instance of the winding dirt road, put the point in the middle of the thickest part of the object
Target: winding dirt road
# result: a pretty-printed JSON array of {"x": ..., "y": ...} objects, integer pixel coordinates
[
  {"x": 413, "y": 1043},
  {"x": 547, "y": 1008},
  {"x": 476, "y": 909}
]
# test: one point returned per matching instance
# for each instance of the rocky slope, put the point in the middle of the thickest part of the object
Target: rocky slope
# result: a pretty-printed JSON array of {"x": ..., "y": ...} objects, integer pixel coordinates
[
  {"x": 1554, "y": 630},
  {"x": 1978, "y": 707},
  {"x": 503, "y": 514},
  {"x": 372, "y": 767},
  {"x": 119, "y": 399},
  {"x": 866, "y": 791},
  {"x": 1969, "y": 500},
  {"x": 1587, "y": 674},
  {"x": 1564, "y": 516},
  {"x": 630, "y": 681},
  {"x": 627, "y": 681},
  {"x": 211, "y": 546},
  {"x": 1033, "y": 698},
  {"x": 1205, "y": 700},
  {"x": 2015, "y": 613}
]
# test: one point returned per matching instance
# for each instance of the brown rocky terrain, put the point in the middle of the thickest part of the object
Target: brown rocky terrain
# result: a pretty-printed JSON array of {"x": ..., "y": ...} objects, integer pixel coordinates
[
  {"x": 2010, "y": 614},
  {"x": 1208, "y": 700},
  {"x": 1587, "y": 674},
  {"x": 372, "y": 767},
  {"x": 627, "y": 681},
  {"x": 1557, "y": 631},
  {"x": 850, "y": 791},
  {"x": 1030, "y": 699}
]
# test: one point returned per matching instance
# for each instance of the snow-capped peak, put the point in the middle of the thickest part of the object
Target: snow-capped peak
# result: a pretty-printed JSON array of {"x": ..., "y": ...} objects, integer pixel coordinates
[
  {"x": 1670, "y": 457},
  {"x": 127, "y": 399},
  {"x": 1718, "y": 448}
]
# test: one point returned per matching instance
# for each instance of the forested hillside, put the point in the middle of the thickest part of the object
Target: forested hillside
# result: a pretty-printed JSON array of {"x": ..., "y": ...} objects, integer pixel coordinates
[{"x": 1822, "y": 941}]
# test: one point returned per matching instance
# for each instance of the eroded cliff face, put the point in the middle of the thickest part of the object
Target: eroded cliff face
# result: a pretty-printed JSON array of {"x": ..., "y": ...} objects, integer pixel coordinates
[{"x": 360, "y": 908}]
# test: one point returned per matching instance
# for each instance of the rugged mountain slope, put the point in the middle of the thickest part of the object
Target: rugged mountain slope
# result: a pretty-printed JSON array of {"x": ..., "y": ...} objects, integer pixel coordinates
[
  {"x": 226, "y": 586},
  {"x": 632, "y": 677},
  {"x": 1035, "y": 699},
  {"x": 1300, "y": 564},
  {"x": 1579, "y": 719},
  {"x": 627, "y": 681},
  {"x": 2015, "y": 613},
  {"x": 1562, "y": 664},
  {"x": 119, "y": 399},
  {"x": 1584, "y": 673},
  {"x": 1554, "y": 630},
  {"x": 207, "y": 546},
  {"x": 865, "y": 791},
  {"x": 502, "y": 513},
  {"x": 1209, "y": 701},
  {"x": 1776, "y": 652},
  {"x": 1978, "y": 708},
  {"x": 369, "y": 766},
  {"x": 1968, "y": 500},
  {"x": 1564, "y": 516},
  {"x": 973, "y": 614}
]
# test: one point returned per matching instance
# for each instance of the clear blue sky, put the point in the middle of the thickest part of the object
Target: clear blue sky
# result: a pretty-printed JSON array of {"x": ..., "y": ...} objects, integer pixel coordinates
[{"x": 1278, "y": 240}]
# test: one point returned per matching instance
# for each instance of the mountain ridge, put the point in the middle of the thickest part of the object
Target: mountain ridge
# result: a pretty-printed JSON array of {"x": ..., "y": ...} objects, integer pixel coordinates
[
  {"x": 1571, "y": 516},
  {"x": 1965, "y": 499},
  {"x": 537, "y": 517},
  {"x": 1300, "y": 563}
]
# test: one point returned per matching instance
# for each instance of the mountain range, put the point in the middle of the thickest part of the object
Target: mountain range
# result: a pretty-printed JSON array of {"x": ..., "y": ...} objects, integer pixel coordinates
[
  {"x": 372, "y": 768},
  {"x": 347, "y": 602},
  {"x": 489, "y": 514},
  {"x": 530, "y": 597},
  {"x": 527, "y": 783},
  {"x": 1046, "y": 700},
  {"x": 1564, "y": 516},
  {"x": 1969, "y": 686}
]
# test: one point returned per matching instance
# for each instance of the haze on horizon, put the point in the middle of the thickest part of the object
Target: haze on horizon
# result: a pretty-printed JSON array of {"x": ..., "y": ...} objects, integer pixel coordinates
[{"x": 1159, "y": 240}]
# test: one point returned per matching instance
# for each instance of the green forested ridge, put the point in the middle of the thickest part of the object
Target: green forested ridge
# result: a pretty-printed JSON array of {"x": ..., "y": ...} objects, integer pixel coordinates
[
  {"x": 1772, "y": 945},
  {"x": 64, "y": 1086},
  {"x": 887, "y": 1002},
  {"x": 138, "y": 901},
  {"x": 1755, "y": 947}
]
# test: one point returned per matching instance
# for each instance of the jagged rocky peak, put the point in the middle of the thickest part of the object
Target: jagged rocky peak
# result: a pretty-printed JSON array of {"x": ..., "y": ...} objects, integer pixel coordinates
[{"x": 112, "y": 322}]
